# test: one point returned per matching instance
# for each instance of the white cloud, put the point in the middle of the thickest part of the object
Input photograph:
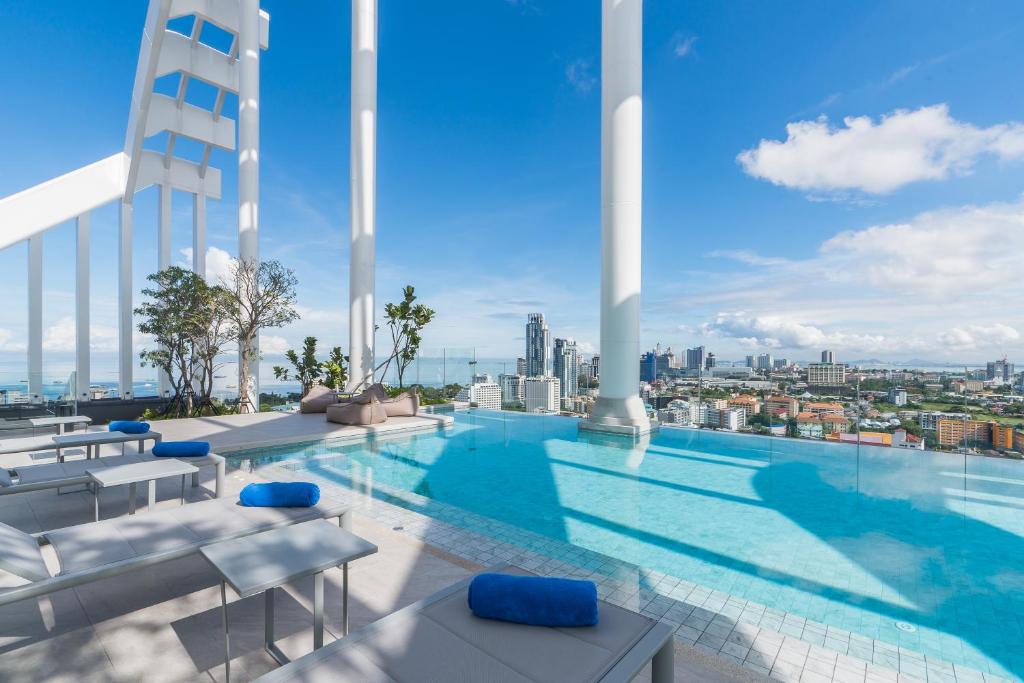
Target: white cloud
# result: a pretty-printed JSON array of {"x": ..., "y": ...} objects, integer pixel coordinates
[
  {"x": 218, "y": 264},
  {"x": 974, "y": 337},
  {"x": 901, "y": 148},
  {"x": 580, "y": 75},
  {"x": 273, "y": 345},
  {"x": 937, "y": 253},
  {"x": 61, "y": 337},
  {"x": 748, "y": 256},
  {"x": 780, "y": 332},
  {"x": 8, "y": 343},
  {"x": 682, "y": 45}
]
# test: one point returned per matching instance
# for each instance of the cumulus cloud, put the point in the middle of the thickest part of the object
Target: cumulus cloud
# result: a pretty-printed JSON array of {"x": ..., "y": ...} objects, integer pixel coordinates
[
  {"x": 778, "y": 332},
  {"x": 218, "y": 264},
  {"x": 273, "y": 345},
  {"x": 974, "y": 337},
  {"x": 965, "y": 249},
  {"x": 8, "y": 341},
  {"x": 61, "y": 337},
  {"x": 580, "y": 75},
  {"x": 879, "y": 157}
]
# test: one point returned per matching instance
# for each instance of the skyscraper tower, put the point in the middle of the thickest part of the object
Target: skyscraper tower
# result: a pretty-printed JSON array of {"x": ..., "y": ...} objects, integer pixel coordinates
[
  {"x": 538, "y": 346},
  {"x": 828, "y": 357},
  {"x": 566, "y": 365}
]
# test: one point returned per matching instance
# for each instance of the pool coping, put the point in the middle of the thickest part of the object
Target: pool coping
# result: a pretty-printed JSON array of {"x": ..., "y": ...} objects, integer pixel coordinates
[{"x": 739, "y": 632}]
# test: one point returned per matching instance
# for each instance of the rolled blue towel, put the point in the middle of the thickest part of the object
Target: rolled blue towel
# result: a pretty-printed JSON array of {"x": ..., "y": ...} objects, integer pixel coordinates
[
  {"x": 128, "y": 426},
  {"x": 534, "y": 600},
  {"x": 280, "y": 494},
  {"x": 182, "y": 449}
]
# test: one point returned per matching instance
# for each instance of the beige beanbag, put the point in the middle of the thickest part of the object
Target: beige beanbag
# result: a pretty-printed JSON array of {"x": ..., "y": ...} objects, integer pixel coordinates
[
  {"x": 317, "y": 400},
  {"x": 358, "y": 412},
  {"x": 406, "y": 404}
]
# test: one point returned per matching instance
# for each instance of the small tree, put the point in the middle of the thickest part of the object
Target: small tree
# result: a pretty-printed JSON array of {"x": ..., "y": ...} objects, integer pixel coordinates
[
  {"x": 405, "y": 320},
  {"x": 264, "y": 297},
  {"x": 189, "y": 321},
  {"x": 335, "y": 369},
  {"x": 308, "y": 369}
]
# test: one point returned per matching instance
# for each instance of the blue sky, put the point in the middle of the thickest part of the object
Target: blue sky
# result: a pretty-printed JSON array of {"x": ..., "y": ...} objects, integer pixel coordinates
[{"x": 886, "y": 221}]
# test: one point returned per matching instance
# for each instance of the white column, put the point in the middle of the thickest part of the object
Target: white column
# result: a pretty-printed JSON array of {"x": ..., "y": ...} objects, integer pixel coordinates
[
  {"x": 163, "y": 257},
  {"x": 35, "y": 318},
  {"x": 125, "y": 353},
  {"x": 82, "y": 355},
  {"x": 618, "y": 406},
  {"x": 249, "y": 149},
  {"x": 199, "y": 234},
  {"x": 363, "y": 186}
]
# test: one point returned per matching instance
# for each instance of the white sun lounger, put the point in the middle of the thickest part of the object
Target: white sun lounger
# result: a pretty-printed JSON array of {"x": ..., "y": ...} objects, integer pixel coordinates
[
  {"x": 439, "y": 639},
  {"x": 54, "y": 475},
  {"x": 99, "y": 550}
]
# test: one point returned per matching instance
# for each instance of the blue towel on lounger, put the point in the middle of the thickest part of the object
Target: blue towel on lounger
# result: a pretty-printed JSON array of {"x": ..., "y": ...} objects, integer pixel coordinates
[
  {"x": 534, "y": 600},
  {"x": 128, "y": 426},
  {"x": 182, "y": 449},
  {"x": 280, "y": 494}
]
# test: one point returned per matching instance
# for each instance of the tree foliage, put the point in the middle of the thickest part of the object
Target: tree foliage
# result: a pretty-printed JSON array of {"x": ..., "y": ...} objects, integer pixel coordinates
[
  {"x": 189, "y": 321},
  {"x": 405, "y": 321},
  {"x": 309, "y": 371},
  {"x": 264, "y": 298}
]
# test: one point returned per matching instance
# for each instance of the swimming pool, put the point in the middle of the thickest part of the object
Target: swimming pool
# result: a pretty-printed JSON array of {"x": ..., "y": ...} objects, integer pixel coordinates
[{"x": 918, "y": 549}]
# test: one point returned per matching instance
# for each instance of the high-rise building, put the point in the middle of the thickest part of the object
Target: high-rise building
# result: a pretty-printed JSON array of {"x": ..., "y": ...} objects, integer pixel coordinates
[
  {"x": 764, "y": 361},
  {"x": 709, "y": 362},
  {"x": 538, "y": 346},
  {"x": 898, "y": 396},
  {"x": 565, "y": 365},
  {"x": 653, "y": 365},
  {"x": 826, "y": 374},
  {"x": 828, "y": 357},
  {"x": 751, "y": 362},
  {"x": 542, "y": 394},
  {"x": 1000, "y": 371},
  {"x": 513, "y": 388},
  {"x": 780, "y": 364},
  {"x": 695, "y": 358},
  {"x": 482, "y": 395},
  {"x": 520, "y": 366},
  {"x": 595, "y": 367}
]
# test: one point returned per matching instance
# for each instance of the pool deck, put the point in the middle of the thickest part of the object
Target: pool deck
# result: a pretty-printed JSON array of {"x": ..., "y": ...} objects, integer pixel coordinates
[{"x": 163, "y": 624}]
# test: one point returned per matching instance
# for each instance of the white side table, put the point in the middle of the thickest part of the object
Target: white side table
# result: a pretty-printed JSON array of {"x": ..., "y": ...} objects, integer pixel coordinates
[{"x": 103, "y": 477}]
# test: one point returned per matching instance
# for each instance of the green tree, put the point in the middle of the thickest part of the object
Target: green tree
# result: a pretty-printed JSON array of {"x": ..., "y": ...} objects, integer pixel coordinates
[
  {"x": 405, "y": 321},
  {"x": 335, "y": 369},
  {"x": 264, "y": 297},
  {"x": 308, "y": 369},
  {"x": 189, "y": 321}
]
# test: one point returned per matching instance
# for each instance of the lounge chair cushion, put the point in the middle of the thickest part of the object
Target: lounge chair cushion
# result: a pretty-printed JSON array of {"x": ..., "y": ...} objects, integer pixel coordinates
[
  {"x": 406, "y": 404},
  {"x": 128, "y": 426},
  {"x": 5, "y": 477},
  {"x": 534, "y": 600},
  {"x": 182, "y": 449},
  {"x": 360, "y": 412},
  {"x": 317, "y": 400},
  {"x": 376, "y": 391},
  {"x": 20, "y": 554},
  {"x": 280, "y": 494},
  {"x": 95, "y": 544}
]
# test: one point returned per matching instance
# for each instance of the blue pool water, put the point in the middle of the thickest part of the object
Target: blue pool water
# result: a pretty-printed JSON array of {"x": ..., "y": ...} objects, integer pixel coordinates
[{"x": 860, "y": 539}]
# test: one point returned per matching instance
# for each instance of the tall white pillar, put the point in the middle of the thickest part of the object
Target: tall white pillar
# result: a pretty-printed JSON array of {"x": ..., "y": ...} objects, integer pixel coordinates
[
  {"x": 35, "y": 318},
  {"x": 363, "y": 186},
  {"x": 249, "y": 151},
  {"x": 163, "y": 257},
  {"x": 618, "y": 407},
  {"x": 125, "y": 354},
  {"x": 82, "y": 355},
  {"x": 199, "y": 234}
]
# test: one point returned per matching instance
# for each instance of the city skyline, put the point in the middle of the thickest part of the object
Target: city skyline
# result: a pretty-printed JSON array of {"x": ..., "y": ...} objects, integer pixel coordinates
[{"x": 895, "y": 266}]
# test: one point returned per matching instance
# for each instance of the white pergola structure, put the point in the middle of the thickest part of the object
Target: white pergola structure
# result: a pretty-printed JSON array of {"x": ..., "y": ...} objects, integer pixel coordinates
[{"x": 28, "y": 215}]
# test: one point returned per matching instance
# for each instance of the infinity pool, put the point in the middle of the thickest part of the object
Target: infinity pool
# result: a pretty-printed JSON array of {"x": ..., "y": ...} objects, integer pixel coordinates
[{"x": 861, "y": 539}]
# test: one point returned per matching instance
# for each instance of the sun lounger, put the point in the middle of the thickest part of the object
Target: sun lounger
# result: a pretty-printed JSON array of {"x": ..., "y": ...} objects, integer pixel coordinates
[
  {"x": 27, "y": 444},
  {"x": 72, "y": 472},
  {"x": 98, "y": 550},
  {"x": 439, "y": 639}
]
